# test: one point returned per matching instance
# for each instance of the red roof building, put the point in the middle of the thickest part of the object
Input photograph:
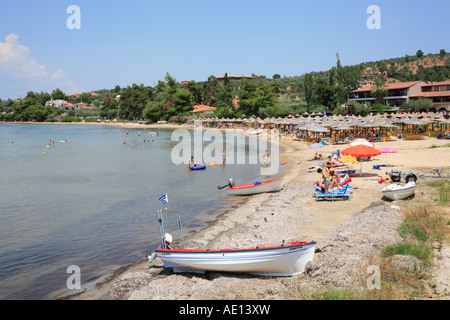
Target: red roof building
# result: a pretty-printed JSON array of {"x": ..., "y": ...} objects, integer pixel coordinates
[
  {"x": 438, "y": 92},
  {"x": 398, "y": 93},
  {"x": 203, "y": 108}
]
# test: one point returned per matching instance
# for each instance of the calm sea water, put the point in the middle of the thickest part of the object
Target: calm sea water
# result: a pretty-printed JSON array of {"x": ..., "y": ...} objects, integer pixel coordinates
[{"x": 92, "y": 201}]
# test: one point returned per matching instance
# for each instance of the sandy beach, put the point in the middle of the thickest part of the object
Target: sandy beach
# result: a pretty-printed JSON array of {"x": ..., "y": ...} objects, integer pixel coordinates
[{"x": 345, "y": 231}]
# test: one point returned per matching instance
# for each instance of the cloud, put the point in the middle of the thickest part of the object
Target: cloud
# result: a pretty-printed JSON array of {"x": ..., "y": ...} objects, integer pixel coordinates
[{"x": 16, "y": 63}]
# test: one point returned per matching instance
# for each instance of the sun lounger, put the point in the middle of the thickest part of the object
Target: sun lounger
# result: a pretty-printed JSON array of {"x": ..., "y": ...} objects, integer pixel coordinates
[
  {"x": 339, "y": 194},
  {"x": 346, "y": 172}
]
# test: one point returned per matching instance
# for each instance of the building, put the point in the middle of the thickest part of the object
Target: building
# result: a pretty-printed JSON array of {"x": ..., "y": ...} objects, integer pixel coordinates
[
  {"x": 204, "y": 109},
  {"x": 398, "y": 93},
  {"x": 438, "y": 92},
  {"x": 55, "y": 103},
  {"x": 236, "y": 77}
]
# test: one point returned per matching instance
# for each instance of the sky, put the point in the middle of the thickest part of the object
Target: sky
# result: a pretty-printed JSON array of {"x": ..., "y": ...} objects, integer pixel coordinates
[{"x": 139, "y": 41}]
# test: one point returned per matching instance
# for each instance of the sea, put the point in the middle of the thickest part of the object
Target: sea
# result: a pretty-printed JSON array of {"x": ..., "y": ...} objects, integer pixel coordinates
[{"x": 91, "y": 198}]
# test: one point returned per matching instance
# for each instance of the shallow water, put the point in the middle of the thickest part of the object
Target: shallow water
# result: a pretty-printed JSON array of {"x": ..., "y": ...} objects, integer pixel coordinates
[{"x": 92, "y": 201}]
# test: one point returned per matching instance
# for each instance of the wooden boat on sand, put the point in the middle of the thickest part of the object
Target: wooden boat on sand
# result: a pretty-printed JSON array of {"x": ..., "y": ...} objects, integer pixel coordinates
[
  {"x": 254, "y": 187},
  {"x": 281, "y": 260}
]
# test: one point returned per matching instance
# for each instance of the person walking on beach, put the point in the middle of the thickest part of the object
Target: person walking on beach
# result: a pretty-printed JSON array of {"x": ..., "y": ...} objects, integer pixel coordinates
[
  {"x": 223, "y": 158},
  {"x": 325, "y": 181}
]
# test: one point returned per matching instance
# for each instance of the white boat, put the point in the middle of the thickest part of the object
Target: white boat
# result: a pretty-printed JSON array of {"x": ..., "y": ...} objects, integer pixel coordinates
[
  {"x": 255, "y": 187},
  {"x": 281, "y": 260},
  {"x": 399, "y": 192},
  {"x": 278, "y": 261},
  {"x": 256, "y": 132}
]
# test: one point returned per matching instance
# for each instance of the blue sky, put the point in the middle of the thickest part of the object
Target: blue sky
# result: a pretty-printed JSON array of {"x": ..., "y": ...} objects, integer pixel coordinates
[{"x": 139, "y": 41}]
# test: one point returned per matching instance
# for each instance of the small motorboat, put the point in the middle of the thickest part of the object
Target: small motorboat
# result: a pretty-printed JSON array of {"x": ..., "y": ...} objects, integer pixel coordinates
[
  {"x": 399, "y": 192},
  {"x": 254, "y": 187},
  {"x": 281, "y": 260}
]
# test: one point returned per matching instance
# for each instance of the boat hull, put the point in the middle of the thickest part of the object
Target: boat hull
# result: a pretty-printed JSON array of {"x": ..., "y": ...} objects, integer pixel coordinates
[
  {"x": 397, "y": 192},
  {"x": 285, "y": 260},
  {"x": 252, "y": 188}
]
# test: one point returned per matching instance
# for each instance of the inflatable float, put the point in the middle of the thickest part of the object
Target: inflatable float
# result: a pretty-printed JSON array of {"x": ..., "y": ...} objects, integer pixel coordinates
[{"x": 198, "y": 167}]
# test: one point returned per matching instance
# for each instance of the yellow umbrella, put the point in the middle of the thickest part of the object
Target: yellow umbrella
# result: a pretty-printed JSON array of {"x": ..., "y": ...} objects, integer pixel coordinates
[{"x": 349, "y": 159}]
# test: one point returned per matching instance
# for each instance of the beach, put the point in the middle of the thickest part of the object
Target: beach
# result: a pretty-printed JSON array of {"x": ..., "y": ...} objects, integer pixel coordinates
[{"x": 347, "y": 232}]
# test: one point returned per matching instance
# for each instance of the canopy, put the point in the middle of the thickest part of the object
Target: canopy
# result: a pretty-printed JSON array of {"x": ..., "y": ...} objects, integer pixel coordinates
[
  {"x": 361, "y": 151},
  {"x": 358, "y": 142},
  {"x": 349, "y": 159},
  {"x": 387, "y": 150}
]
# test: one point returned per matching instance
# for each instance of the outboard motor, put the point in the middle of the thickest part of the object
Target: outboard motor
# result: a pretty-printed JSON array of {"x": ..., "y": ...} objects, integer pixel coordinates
[
  {"x": 395, "y": 175},
  {"x": 231, "y": 182}
]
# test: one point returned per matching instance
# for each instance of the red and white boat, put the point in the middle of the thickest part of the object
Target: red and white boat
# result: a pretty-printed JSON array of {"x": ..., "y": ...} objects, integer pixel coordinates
[
  {"x": 254, "y": 187},
  {"x": 281, "y": 260}
]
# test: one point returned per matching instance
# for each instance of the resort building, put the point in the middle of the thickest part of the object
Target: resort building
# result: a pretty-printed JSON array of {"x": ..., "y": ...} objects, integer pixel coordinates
[
  {"x": 398, "y": 93},
  {"x": 55, "y": 103},
  {"x": 203, "y": 108},
  {"x": 438, "y": 92},
  {"x": 236, "y": 77}
]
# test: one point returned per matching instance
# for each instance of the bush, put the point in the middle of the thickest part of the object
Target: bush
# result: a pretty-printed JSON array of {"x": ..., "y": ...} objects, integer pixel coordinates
[
  {"x": 418, "y": 250},
  {"x": 71, "y": 119}
]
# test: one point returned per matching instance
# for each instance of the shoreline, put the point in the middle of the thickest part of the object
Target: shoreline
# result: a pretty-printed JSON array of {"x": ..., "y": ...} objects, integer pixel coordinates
[{"x": 270, "y": 218}]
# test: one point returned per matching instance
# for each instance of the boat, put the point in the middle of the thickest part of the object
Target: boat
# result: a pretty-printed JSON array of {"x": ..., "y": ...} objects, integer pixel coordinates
[
  {"x": 399, "y": 192},
  {"x": 283, "y": 260},
  {"x": 280, "y": 260},
  {"x": 254, "y": 187},
  {"x": 256, "y": 132},
  {"x": 198, "y": 167}
]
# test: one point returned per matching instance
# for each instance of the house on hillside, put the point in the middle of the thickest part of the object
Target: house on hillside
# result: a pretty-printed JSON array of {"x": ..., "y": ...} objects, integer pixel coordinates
[
  {"x": 236, "y": 77},
  {"x": 203, "y": 108},
  {"x": 438, "y": 92},
  {"x": 397, "y": 93}
]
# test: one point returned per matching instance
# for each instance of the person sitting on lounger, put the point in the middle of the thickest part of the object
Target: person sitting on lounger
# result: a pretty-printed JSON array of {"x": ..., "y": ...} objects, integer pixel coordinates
[{"x": 334, "y": 177}]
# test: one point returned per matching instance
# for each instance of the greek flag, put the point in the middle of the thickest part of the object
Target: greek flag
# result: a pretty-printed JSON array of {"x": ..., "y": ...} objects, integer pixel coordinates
[{"x": 164, "y": 199}]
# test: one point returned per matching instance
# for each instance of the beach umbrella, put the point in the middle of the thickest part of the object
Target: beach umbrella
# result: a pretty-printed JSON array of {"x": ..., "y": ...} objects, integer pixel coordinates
[
  {"x": 349, "y": 159},
  {"x": 316, "y": 145},
  {"x": 360, "y": 142},
  {"x": 387, "y": 150},
  {"x": 361, "y": 151}
]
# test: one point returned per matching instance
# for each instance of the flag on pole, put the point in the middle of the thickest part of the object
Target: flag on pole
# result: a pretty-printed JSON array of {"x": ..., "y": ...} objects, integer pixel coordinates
[{"x": 164, "y": 199}]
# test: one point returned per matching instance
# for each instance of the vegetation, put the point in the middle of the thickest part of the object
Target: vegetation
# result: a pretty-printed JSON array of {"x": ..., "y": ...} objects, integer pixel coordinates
[{"x": 262, "y": 97}]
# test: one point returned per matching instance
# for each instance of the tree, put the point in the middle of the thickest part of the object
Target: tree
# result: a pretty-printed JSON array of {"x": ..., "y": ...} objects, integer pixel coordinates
[
  {"x": 419, "y": 54},
  {"x": 276, "y": 76},
  {"x": 420, "y": 105},
  {"x": 57, "y": 94},
  {"x": 442, "y": 54},
  {"x": 379, "y": 91}
]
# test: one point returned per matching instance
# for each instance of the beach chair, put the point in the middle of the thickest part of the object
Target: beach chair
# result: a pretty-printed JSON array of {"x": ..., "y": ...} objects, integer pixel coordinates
[
  {"x": 339, "y": 194},
  {"x": 377, "y": 138}
]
